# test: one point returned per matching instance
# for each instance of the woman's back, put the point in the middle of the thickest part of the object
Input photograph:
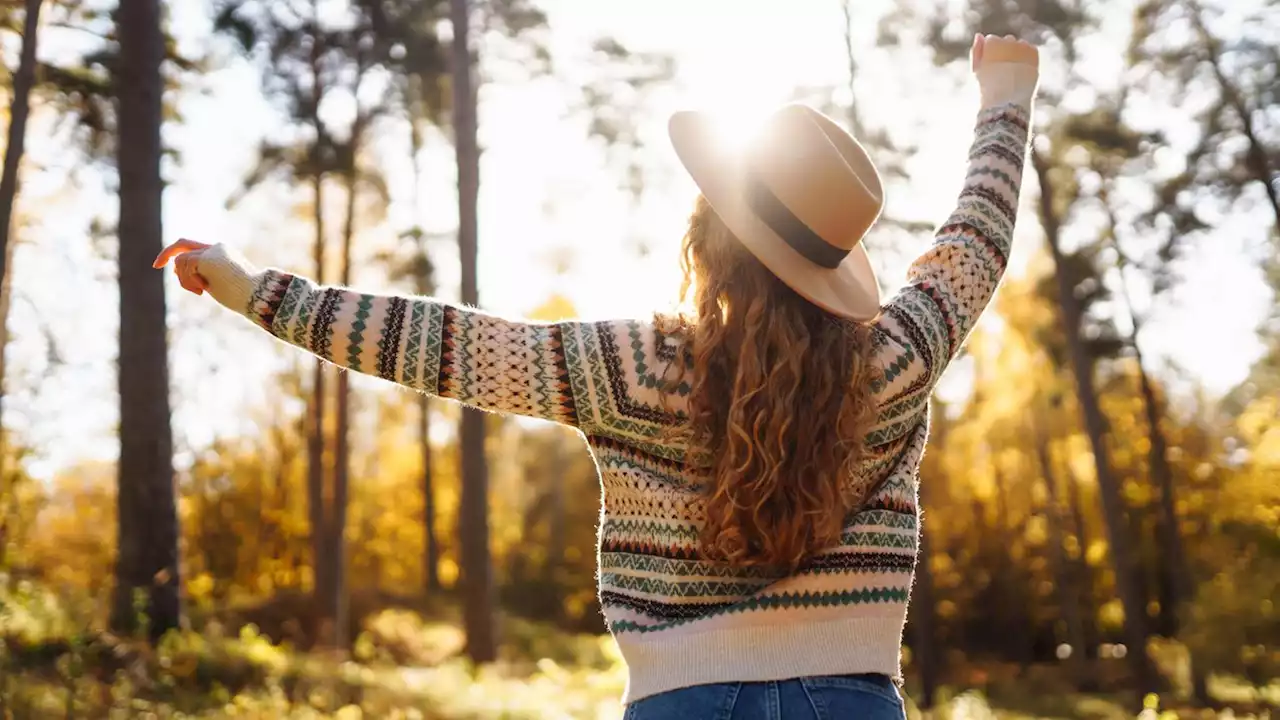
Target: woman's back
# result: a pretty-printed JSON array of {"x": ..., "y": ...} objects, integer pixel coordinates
[{"x": 683, "y": 620}]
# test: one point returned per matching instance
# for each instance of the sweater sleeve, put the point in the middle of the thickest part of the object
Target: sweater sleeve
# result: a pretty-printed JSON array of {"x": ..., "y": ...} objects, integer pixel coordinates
[
  {"x": 445, "y": 350},
  {"x": 950, "y": 285}
]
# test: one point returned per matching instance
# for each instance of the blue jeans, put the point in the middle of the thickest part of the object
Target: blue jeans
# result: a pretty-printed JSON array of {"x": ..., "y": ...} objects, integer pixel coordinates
[{"x": 868, "y": 697}]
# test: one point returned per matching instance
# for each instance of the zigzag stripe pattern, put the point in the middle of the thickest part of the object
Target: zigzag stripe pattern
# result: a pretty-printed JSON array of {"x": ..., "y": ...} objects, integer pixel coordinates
[
  {"x": 784, "y": 601},
  {"x": 389, "y": 341},
  {"x": 661, "y": 598}
]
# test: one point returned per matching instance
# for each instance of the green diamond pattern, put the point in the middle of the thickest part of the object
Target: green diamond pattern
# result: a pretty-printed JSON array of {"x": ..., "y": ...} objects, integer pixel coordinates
[{"x": 363, "y": 306}]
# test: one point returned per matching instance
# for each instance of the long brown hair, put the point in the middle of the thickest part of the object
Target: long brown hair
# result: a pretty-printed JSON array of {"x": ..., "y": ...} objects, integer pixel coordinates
[{"x": 780, "y": 402}]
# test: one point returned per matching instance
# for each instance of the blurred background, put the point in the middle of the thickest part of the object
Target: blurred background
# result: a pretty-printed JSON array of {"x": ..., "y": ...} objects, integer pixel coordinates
[{"x": 197, "y": 521}]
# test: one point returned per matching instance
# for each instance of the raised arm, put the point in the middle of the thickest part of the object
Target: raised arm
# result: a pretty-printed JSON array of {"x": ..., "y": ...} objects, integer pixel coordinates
[
  {"x": 950, "y": 285},
  {"x": 453, "y": 352}
]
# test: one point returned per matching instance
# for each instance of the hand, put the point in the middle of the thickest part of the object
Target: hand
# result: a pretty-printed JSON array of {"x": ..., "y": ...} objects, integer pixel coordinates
[
  {"x": 990, "y": 49},
  {"x": 187, "y": 254},
  {"x": 1007, "y": 69}
]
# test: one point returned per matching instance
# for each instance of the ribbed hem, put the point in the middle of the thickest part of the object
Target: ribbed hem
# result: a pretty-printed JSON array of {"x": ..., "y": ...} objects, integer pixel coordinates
[
  {"x": 762, "y": 653},
  {"x": 230, "y": 277},
  {"x": 1007, "y": 82}
]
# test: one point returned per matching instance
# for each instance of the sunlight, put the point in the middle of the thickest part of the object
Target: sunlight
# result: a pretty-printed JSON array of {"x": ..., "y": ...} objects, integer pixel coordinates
[{"x": 738, "y": 115}]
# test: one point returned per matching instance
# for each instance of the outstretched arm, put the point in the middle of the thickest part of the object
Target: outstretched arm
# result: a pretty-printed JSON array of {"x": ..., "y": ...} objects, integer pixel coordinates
[
  {"x": 446, "y": 350},
  {"x": 950, "y": 285}
]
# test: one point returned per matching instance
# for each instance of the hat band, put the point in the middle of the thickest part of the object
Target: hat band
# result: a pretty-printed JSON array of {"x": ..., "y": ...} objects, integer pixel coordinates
[{"x": 790, "y": 228}]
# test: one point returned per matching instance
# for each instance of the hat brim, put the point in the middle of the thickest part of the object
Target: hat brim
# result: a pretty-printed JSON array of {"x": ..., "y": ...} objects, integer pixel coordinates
[{"x": 849, "y": 290}]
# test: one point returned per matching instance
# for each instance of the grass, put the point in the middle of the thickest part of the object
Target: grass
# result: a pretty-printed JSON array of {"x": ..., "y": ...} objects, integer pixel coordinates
[{"x": 409, "y": 665}]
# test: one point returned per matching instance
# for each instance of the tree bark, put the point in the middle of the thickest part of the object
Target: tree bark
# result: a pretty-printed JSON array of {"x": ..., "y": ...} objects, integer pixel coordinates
[
  {"x": 1135, "y": 622},
  {"x": 1066, "y": 586},
  {"x": 855, "y": 120},
  {"x": 431, "y": 547},
  {"x": 923, "y": 601},
  {"x": 147, "y": 558},
  {"x": 473, "y": 521},
  {"x": 1084, "y": 574},
  {"x": 19, "y": 110},
  {"x": 556, "y": 517},
  {"x": 337, "y": 591},
  {"x": 317, "y": 505},
  {"x": 426, "y": 286},
  {"x": 1176, "y": 580}
]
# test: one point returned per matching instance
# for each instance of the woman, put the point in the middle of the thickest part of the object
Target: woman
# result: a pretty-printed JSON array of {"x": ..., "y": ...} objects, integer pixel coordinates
[{"x": 758, "y": 456}]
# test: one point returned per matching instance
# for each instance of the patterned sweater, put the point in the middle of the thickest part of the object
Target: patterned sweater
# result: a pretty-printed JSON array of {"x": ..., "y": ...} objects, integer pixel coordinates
[{"x": 680, "y": 620}]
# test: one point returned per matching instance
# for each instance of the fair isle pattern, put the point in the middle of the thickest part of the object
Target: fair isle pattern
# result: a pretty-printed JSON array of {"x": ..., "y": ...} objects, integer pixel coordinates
[{"x": 666, "y": 606}]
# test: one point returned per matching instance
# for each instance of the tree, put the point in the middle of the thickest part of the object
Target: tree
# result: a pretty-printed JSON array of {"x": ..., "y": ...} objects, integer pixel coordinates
[
  {"x": 473, "y": 521},
  {"x": 1236, "y": 148},
  {"x": 923, "y": 599},
  {"x": 1084, "y": 337},
  {"x": 147, "y": 559},
  {"x": 1082, "y": 364},
  {"x": 296, "y": 73},
  {"x": 19, "y": 109}
]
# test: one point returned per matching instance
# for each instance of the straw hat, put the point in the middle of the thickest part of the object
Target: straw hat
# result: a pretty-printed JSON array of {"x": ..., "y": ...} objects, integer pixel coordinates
[{"x": 800, "y": 197}]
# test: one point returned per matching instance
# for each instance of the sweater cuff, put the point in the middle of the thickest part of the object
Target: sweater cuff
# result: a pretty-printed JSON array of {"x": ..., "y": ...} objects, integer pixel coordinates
[
  {"x": 1007, "y": 82},
  {"x": 231, "y": 279}
]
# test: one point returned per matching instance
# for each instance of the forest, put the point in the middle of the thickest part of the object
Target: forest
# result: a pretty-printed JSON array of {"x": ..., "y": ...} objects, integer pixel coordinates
[{"x": 198, "y": 521}]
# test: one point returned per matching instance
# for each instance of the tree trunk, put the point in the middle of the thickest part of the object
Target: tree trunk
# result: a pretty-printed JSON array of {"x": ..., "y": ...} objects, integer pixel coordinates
[
  {"x": 473, "y": 521},
  {"x": 20, "y": 109},
  {"x": 1083, "y": 573},
  {"x": 147, "y": 558},
  {"x": 1176, "y": 584},
  {"x": 1135, "y": 622},
  {"x": 855, "y": 121},
  {"x": 426, "y": 286},
  {"x": 6, "y": 300},
  {"x": 1067, "y": 590},
  {"x": 923, "y": 601},
  {"x": 318, "y": 511},
  {"x": 316, "y": 505},
  {"x": 556, "y": 518},
  {"x": 431, "y": 547},
  {"x": 337, "y": 592}
]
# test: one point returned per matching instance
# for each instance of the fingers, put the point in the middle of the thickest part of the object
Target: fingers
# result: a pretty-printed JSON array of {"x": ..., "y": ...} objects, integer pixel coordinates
[
  {"x": 975, "y": 53},
  {"x": 1004, "y": 48},
  {"x": 190, "y": 280},
  {"x": 176, "y": 249}
]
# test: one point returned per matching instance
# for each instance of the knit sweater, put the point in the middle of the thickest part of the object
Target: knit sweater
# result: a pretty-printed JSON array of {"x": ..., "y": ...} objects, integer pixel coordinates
[{"x": 678, "y": 619}]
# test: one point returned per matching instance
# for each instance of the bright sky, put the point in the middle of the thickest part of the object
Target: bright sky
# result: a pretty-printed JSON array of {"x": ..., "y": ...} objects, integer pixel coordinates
[{"x": 543, "y": 190}]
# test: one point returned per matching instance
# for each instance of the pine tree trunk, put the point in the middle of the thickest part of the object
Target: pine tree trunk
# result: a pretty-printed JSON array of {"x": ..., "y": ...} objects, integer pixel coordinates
[
  {"x": 1083, "y": 573},
  {"x": 1065, "y": 581},
  {"x": 322, "y": 622},
  {"x": 556, "y": 517},
  {"x": 473, "y": 520},
  {"x": 20, "y": 109},
  {"x": 923, "y": 601},
  {"x": 426, "y": 287},
  {"x": 431, "y": 548},
  {"x": 337, "y": 591},
  {"x": 1127, "y": 587},
  {"x": 147, "y": 558},
  {"x": 855, "y": 121},
  {"x": 316, "y": 502}
]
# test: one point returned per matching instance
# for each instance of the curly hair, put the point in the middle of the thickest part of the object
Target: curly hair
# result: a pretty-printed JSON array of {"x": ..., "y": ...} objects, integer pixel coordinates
[{"x": 780, "y": 403}]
